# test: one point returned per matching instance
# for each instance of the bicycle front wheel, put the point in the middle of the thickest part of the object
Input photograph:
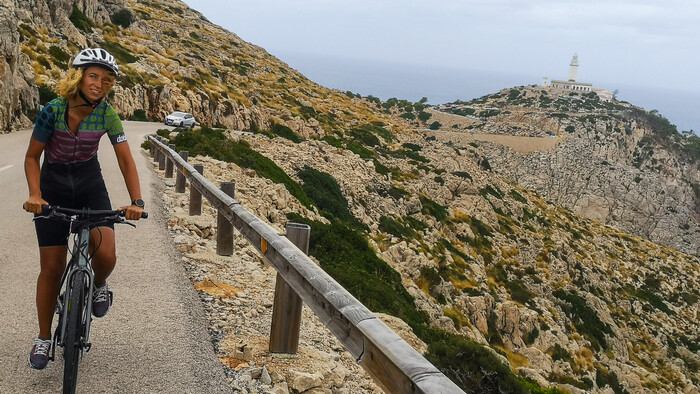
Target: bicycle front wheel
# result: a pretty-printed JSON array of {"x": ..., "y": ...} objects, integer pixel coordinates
[{"x": 75, "y": 327}]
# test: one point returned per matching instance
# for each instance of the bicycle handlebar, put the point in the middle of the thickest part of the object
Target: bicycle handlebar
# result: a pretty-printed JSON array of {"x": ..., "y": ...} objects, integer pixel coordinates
[{"x": 85, "y": 212}]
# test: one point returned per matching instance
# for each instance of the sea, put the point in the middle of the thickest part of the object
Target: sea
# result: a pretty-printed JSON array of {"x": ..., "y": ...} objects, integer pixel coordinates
[{"x": 447, "y": 84}]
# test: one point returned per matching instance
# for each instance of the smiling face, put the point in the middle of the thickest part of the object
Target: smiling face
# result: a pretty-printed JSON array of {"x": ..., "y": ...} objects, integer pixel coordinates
[{"x": 96, "y": 82}]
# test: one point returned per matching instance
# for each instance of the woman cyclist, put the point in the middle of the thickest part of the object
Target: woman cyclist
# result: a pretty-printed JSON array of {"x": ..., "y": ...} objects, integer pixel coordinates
[{"x": 67, "y": 132}]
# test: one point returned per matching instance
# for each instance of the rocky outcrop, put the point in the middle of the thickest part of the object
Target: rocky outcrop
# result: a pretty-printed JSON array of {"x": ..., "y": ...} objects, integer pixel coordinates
[
  {"x": 18, "y": 95},
  {"x": 596, "y": 174},
  {"x": 171, "y": 58},
  {"x": 609, "y": 163}
]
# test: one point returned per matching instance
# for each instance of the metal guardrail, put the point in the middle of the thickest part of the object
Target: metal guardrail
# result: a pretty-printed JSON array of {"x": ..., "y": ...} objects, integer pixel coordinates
[{"x": 391, "y": 362}]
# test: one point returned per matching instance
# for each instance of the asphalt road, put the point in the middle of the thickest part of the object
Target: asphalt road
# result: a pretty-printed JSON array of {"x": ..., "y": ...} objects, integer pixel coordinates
[{"x": 154, "y": 338}]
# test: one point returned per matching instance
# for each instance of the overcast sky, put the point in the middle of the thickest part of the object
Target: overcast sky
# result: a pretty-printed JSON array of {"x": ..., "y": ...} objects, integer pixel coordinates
[{"x": 632, "y": 42}]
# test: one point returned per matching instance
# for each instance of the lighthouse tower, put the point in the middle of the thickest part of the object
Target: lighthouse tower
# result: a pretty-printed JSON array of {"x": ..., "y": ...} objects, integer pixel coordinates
[{"x": 573, "y": 68}]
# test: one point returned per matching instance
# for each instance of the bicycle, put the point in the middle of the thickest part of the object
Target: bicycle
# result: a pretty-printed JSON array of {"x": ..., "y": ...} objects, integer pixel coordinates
[{"x": 74, "y": 304}]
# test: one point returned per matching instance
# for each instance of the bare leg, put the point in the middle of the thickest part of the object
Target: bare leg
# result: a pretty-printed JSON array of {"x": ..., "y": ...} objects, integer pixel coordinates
[
  {"x": 105, "y": 258},
  {"x": 53, "y": 263}
]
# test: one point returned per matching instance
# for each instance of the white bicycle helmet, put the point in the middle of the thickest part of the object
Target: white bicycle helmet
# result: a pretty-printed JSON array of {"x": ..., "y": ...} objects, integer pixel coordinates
[{"x": 96, "y": 57}]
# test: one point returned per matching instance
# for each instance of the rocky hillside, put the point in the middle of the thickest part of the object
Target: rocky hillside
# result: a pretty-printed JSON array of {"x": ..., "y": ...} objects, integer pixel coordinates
[
  {"x": 614, "y": 163},
  {"x": 170, "y": 58},
  {"x": 510, "y": 290}
]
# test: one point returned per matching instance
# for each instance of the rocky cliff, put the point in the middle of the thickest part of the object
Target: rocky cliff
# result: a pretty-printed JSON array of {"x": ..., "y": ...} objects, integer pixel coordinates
[
  {"x": 171, "y": 58},
  {"x": 613, "y": 162}
]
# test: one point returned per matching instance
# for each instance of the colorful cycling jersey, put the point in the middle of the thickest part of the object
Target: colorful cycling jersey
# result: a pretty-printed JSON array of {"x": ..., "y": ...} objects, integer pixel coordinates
[{"x": 62, "y": 146}]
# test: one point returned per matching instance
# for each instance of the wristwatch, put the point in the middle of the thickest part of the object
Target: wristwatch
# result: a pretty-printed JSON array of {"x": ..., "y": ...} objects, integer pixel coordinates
[{"x": 138, "y": 202}]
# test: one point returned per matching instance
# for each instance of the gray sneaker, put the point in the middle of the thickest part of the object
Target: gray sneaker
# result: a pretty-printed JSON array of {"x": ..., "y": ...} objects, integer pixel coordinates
[
  {"x": 39, "y": 356},
  {"x": 101, "y": 300}
]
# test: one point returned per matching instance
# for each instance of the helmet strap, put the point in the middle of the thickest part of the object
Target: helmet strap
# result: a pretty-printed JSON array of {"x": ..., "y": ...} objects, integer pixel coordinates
[{"x": 88, "y": 103}]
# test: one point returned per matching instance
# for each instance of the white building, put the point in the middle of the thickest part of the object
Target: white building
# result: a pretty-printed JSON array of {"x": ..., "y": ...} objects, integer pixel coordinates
[{"x": 572, "y": 83}]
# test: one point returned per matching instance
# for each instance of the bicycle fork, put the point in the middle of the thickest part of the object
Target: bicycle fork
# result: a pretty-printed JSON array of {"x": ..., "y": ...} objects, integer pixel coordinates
[{"x": 78, "y": 263}]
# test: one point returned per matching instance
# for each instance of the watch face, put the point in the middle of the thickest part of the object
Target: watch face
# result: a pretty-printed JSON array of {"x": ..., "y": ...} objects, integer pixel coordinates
[{"x": 139, "y": 203}]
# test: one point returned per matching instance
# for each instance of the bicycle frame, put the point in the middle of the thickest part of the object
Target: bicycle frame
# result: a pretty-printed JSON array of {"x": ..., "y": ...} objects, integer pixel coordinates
[{"x": 80, "y": 261}]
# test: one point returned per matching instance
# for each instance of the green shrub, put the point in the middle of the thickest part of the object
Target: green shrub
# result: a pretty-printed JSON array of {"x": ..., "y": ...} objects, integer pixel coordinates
[
  {"x": 435, "y": 126},
  {"x": 519, "y": 291},
  {"x": 365, "y": 137},
  {"x": 360, "y": 150},
  {"x": 119, "y": 52},
  {"x": 391, "y": 226},
  {"x": 430, "y": 207},
  {"x": 60, "y": 57},
  {"x": 492, "y": 190},
  {"x": 532, "y": 336},
  {"x": 517, "y": 196},
  {"x": 80, "y": 21},
  {"x": 412, "y": 147},
  {"x": 325, "y": 192},
  {"x": 332, "y": 141},
  {"x": 424, "y": 116},
  {"x": 604, "y": 377},
  {"x": 650, "y": 297},
  {"x": 44, "y": 62},
  {"x": 381, "y": 168},
  {"x": 570, "y": 129},
  {"x": 122, "y": 18},
  {"x": 213, "y": 143},
  {"x": 285, "y": 132},
  {"x": 585, "y": 319},
  {"x": 408, "y": 115},
  {"x": 139, "y": 115},
  {"x": 46, "y": 94},
  {"x": 472, "y": 367},
  {"x": 557, "y": 352},
  {"x": 398, "y": 193},
  {"x": 485, "y": 165},
  {"x": 463, "y": 174},
  {"x": 414, "y": 223}
]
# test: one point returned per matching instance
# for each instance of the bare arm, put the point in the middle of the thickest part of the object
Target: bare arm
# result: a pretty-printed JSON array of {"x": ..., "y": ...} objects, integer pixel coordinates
[
  {"x": 131, "y": 178},
  {"x": 32, "y": 172}
]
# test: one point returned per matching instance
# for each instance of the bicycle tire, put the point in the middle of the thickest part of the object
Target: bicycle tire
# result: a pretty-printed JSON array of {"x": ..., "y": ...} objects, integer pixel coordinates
[{"x": 74, "y": 329}]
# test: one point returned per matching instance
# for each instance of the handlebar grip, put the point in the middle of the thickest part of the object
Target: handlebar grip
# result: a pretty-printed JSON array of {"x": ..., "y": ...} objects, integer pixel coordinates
[{"x": 144, "y": 215}]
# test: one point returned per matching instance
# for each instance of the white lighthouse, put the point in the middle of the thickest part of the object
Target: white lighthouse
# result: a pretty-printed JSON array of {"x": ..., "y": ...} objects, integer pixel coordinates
[
  {"x": 571, "y": 83},
  {"x": 573, "y": 68}
]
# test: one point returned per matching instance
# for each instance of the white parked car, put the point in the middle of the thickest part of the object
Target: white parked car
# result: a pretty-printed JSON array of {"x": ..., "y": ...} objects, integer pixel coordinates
[{"x": 180, "y": 119}]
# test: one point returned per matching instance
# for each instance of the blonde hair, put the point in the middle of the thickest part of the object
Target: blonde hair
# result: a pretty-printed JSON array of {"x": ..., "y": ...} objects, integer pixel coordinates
[{"x": 69, "y": 85}]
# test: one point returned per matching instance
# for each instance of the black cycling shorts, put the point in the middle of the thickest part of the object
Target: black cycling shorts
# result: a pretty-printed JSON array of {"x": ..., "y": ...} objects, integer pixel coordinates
[{"x": 76, "y": 186}]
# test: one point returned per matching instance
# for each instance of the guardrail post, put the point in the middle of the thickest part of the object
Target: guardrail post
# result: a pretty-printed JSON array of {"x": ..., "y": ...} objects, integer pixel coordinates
[
  {"x": 169, "y": 164},
  {"x": 180, "y": 179},
  {"x": 161, "y": 159},
  {"x": 286, "y": 309},
  {"x": 156, "y": 149},
  {"x": 195, "y": 194},
  {"x": 224, "y": 228}
]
